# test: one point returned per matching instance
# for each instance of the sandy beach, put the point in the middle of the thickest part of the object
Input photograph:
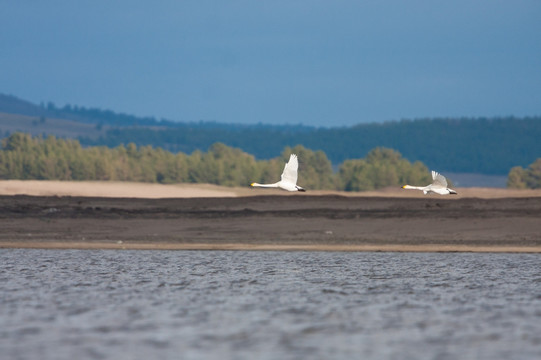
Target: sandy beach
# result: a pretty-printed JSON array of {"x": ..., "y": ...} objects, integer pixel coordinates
[{"x": 88, "y": 215}]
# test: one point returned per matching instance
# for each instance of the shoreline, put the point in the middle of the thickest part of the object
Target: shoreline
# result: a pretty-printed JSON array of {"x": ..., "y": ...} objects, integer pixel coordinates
[
  {"x": 274, "y": 222},
  {"x": 118, "y": 189},
  {"x": 267, "y": 247}
]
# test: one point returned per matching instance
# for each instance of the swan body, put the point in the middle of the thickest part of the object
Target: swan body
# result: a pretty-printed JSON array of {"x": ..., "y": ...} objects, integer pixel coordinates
[
  {"x": 438, "y": 186},
  {"x": 288, "y": 180}
]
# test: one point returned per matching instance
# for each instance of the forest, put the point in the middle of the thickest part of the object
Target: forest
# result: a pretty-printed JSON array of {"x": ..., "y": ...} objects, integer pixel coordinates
[
  {"x": 490, "y": 146},
  {"x": 487, "y": 146},
  {"x": 25, "y": 157}
]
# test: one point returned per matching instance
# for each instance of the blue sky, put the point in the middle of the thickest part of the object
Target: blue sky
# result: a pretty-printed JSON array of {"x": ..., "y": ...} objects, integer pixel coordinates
[{"x": 320, "y": 63}]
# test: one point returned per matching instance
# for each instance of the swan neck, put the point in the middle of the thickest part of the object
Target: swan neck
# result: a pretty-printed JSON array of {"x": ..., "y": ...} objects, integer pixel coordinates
[
  {"x": 413, "y": 187},
  {"x": 265, "y": 185}
]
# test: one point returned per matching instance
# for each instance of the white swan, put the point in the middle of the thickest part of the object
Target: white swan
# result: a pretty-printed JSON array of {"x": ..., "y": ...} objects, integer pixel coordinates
[
  {"x": 438, "y": 186},
  {"x": 289, "y": 177}
]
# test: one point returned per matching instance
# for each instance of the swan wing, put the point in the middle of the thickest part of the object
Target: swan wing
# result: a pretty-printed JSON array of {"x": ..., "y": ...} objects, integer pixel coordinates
[
  {"x": 439, "y": 179},
  {"x": 290, "y": 170}
]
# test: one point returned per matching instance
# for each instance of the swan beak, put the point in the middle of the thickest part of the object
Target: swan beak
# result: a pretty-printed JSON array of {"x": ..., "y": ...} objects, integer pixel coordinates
[
  {"x": 252, "y": 184},
  {"x": 403, "y": 187}
]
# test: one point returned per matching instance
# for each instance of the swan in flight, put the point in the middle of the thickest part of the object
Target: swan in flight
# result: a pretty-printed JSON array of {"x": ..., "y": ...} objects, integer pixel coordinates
[
  {"x": 438, "y": 186},
  {"x": 289, "y": 177}
]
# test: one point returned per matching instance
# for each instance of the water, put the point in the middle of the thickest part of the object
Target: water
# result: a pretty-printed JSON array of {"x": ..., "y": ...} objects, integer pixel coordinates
[{"x": 86, "y": 304}]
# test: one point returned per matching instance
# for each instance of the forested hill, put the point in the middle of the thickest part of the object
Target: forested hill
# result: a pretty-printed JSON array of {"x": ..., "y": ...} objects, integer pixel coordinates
[{"x": 480, "y": 145}]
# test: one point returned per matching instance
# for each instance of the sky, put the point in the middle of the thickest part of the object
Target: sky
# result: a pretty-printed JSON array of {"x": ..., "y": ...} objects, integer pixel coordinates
[{"x": 311, "y": 62}]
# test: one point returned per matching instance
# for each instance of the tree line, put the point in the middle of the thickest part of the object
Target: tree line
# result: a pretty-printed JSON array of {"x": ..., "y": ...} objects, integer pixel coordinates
[
  {"x": 25, "y": 157},
  {"x": 475, "y": 145},
  {"x": 480, "y": 145}
]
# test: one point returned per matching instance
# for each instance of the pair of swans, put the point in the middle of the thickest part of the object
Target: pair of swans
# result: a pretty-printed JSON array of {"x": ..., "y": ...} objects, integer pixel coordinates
[{"x": 288, "y": 181}]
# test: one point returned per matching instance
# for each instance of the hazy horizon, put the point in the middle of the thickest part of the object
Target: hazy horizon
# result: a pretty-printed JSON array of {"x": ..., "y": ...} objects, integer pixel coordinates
[{"x": 282, "y": 62}]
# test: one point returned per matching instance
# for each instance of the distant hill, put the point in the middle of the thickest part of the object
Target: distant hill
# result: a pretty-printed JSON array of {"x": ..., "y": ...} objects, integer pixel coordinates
[
  {"x": 41, "y": 125},
  {"x": 465, "y": 145},
  {"x": 13, "y": 105}
]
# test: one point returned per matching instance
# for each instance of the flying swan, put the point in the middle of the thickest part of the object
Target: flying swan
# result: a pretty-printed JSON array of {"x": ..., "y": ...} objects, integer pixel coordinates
[
  {"x": 438, "y": 186},
  {"x": 289, "y": 177}
]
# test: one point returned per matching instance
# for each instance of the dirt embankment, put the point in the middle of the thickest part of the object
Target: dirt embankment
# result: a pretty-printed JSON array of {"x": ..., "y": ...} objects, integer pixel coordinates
[{"x": 275, "y": 221}]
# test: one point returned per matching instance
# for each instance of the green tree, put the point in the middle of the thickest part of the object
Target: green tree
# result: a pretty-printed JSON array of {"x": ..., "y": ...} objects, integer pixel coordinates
[
  {"x": 381, "y": 168},
  {"x": 530, "y": 178},
  {"x": 517, "y": 178}
]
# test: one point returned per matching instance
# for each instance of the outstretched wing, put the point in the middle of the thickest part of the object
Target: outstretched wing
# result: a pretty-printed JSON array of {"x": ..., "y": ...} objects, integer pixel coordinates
[
  {"x": 439, "y": 179},
  {"x": 290, "y": 170}
]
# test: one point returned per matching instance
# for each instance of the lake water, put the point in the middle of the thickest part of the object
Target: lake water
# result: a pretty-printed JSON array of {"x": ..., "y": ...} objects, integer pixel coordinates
[{"x": 88, "y": 304}]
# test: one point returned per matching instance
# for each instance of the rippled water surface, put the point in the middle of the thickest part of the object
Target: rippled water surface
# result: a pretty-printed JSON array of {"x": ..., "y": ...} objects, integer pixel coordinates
[{"x": 86, "y": 304}]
